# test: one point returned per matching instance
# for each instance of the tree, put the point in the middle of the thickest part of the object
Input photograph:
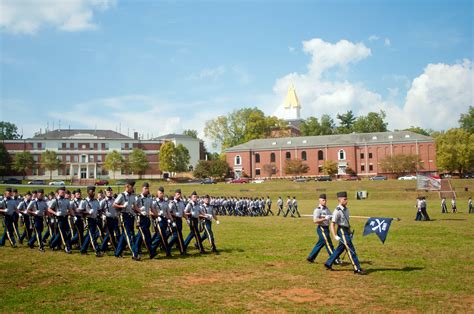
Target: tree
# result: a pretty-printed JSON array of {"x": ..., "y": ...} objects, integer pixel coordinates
[
  {"x": 296, "y": 167},
  {"x": 418, "y": 130},
  {"x": 8, "y": 131},
  {"x": 202, "y": 169},
  {"x": 372, "y": 122},
  {"x": 22, "y": 162},
  {"x": 466, "y": 121},
  {"x": 217, "y": 168},
  {"x": 401, "y": 164},
  {"x": 346, "y": 123},
  {"x": 327, "y": 125},
  {"x": 137, "y": 161},
  {"x": 5, "y": 161},
  {"x": 310, "y": 127},
  {"x": 113, "y": 162},
  {"x": 268, "y": 169},
  {"x": 240, "y": 126},
  {"x": 329, "y": 167},
  {"x": 174, "y": 158},
  {"x": 454, "y": 150},
  {"x": 192, "y": 133},
  {"x": 50, "y": 162}
]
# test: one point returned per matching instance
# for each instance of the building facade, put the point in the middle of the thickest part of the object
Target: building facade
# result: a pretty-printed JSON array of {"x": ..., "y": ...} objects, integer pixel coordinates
[
  {"x": 83, "y": 152},
  {"x": 360, "y": 152}
]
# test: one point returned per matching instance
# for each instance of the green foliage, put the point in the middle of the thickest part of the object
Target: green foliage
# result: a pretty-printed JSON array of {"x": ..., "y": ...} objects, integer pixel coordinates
[
  {"x": 137, "y": 161},
  {"x": 23, "y": 161},
  {"x": 268, "y": 169},
  {"x": 401, "y": 164},
  {"x": 174, "y": 158},
  {"x": 466, "y": 121},
  {"x": 182, "y": 158},
  {"x": 113, "y": 162},
  {"x": 372, "y": 122},
  {"x": 310, "y": 127},
  {"x": 5, "y": 161},
  {"x": 329, "y": 167},
  {"x": 454, "y": 150},
  {"x": 295, "y": 167},
  {"x": 216, "y": 168},
  {"x": 8, "y": 131},
  {"x": 50, "y": 162},
  {"x": 327, "y": 125},
  {"x": 240, "y": 126},
  {"x": 346, "y": 123},
  {"x": 418, "y": 130},
  {"x": 192, "y": 133}
]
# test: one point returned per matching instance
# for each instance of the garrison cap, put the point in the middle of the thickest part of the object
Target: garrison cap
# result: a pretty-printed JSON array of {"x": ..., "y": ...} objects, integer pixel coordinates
[
  {"x": 40, "y": 191},
  {"x": 91, "y": 188},
  {"x": 323, "y": 196},
  {"x": 206, "y": 196},
  {"x": 194, "y": 193},
  {"x": 8, "y": 189},
  {"x": 68, "y": 192},
  {"x": 28, "y": 193},
  {"x": 15, "y": 190},
  {"x": 100, "y": 191},
  {"x": 161, "y": 189},
  {"x": 109, "y": 189},
  {"x": 342, "y": 194},
  {"x": 145, "y": 185},
  {"x": 62, "y": 188},
  {"x": 34, "y": 192},
  {"x": 130, "y": 182},
  {"x": 177, "y": 191}
]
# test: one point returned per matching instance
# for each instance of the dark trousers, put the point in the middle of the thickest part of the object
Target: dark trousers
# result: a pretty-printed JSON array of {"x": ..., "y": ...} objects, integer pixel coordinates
[
  {"x": 16, "y": 218},
  {"x": 194, "y": 233},
  {"x": 208, "y": 234},
  {"x": 79, "y": 231},
  {"x": 126, "y": 237},
  {"x": 344, "y": 244},
  {"x": 161, "y": 235},
  {"x": 38, "y": 228},
  {"x": 61, "y": 234},
  {"x": 280, "y": 210},
  {"x": 418, "y": 215},
  {"x": 444, "y": 208},
  {"x": 425, "y": 213},
  {"x": 28, "y": 230},
  {"x": 177, "y": 238},
  {"x": 8, "y": 231},
  {"x": 470, "y": 209},
  {"x": 144, "y": 236},
  {"x": 112, "y": 234},
  {"x": 323, "y": 241}
]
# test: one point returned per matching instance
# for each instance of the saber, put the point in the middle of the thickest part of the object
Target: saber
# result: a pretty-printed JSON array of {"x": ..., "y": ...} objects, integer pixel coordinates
[{"x": 8, "y": 232}]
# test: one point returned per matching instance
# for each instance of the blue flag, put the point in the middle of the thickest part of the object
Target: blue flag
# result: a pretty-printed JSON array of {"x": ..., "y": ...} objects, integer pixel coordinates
[{"x": 379, "y": 226}]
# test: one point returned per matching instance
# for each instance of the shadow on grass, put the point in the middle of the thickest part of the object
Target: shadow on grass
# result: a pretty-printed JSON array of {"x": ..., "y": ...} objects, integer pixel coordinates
[
  {"x": 404, "y": 269},
  {"x": 448, "y": 219}
]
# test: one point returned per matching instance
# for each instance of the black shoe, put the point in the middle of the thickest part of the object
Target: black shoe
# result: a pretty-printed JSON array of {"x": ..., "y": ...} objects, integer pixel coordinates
[
  {"x": 41, "y": 250},
  {"x": 309, "y": 260},
  {"x": 83, "y": 253},
  {"x": 31, "y": 246},
  {"x": 338, "y": 262},
  {"x": 136, "y": 258},
  {"x": 360, "y": 272},
  {"x": 99, "y": 254},
  {"x": 328, "y": 267},
  {"x": 118, "y": 256},
  {"x": 68, "y": 251},
  {"x": 152, "y": 256}
]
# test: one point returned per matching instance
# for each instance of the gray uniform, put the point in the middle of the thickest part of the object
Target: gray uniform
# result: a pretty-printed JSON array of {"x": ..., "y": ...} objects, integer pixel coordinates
[
  {"x": 23, "y": 206},
  {"x": 144, "y": 203},
  {"x": 39, "y": 206},
  {"x": 194, "y": 209},
  {"x": 74, "y": 205},
  {"x": 107, "y": 206},
  {"x": 209, "y": 210},
  {"x": 321, "y": 211},
  {"x": 126, "y": 197},
  {"x": 177, "y": 208},
  {"x": 9, "y": 204},
  {"x": 60, "y": 206},
  {"x": 162, "y": 207},
  {"x": 90, "y": 206},
  {"x": 340, "y": 216}
]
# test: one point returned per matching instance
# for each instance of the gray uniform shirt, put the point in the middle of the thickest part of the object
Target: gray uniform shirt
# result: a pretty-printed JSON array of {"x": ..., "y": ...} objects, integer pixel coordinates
[
  {"x": 177, "y": 207},
  {"x": 144, "y": 203},
  {"x": 208, "y": 209},
  {"x": 60, "y": 206},
  {"x": 107, "y": 206},
  {"x": 39, "y": 206},
  {"x": 193, "y": 208},
  {"x": 126, "y": 197},
  {"x": 162, "y": 207},
  {"x": 340, "y": 216},
  {"x": 74, "y": 204},
  {"x": 90, "y": 206},
  {"x": 9, "y": 204},
  {"x": 321, "y": 211},
  {"x": 23, "y": 206}
]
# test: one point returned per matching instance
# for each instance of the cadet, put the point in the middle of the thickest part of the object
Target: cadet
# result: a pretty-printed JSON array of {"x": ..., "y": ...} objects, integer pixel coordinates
[
  {"x": 321, "y": 217},
  {"x": 78, "y": 221},
  {"x": 294, "y": 205},
  {"x": 124, "y": 203},
  {"x": 7, "y": 208},
  {"x": 444, "y": 208},
  {"x": 469, "y": 205},
  {"x": 90, "y": 208},
  {"x": 177, "y": 207},
  {"x": 59, "y": 207},
  {"x": 16, "y": 215},
  {"x": 161, "y": 227},
  {"x": 193, "y": 212},
  {"x": 288, "y": 207},
  {"x": 111, "y": 220},
  {"x": 210, "y": 214},
  {"x": 269, "y": 206},
  {"x": 280, "y": 206},
  {"x": 22, "y": 208},
  {"x": 143, "y": 209},
  {"x": 37, "y": 208},
  {"x": 453, "y": 205},
  {"x": 340, "y": 217}
]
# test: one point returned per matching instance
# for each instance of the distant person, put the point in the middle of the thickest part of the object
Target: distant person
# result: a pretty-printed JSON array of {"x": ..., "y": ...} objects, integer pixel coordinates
[
  {"x": 453, "y": 205},
  {"x": 424, "y": 211},
  {"x": 469, "y": 205},
  {"x": 280, "y": 206},
  {"x": 444, "y": 208},
  {"x": 418, "y": 209}
]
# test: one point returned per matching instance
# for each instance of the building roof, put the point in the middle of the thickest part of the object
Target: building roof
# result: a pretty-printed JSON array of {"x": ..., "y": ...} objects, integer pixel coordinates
[
  {"x": 332, "y": 140},
  {"x": 173, "y": 136},
  {"x": 79, "y": 134}
]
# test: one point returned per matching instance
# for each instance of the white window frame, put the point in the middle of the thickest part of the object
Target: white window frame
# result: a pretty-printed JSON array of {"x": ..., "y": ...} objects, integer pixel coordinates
[
  {"x": 339, "y": 154},
  {"x": 237, "y": 157}
]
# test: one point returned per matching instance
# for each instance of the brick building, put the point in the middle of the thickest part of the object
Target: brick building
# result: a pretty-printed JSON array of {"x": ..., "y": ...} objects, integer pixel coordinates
[{"x": 360, "y": 152}]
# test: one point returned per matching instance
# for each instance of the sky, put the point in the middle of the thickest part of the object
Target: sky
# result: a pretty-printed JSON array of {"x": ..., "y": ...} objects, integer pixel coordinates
[{"x": 160, "y": 67}]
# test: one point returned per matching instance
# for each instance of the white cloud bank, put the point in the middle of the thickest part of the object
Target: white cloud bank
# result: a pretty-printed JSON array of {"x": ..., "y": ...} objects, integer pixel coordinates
[{"x": 28, "y": 16}]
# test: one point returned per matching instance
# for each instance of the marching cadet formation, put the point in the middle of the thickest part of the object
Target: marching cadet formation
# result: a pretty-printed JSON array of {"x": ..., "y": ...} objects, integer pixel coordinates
[{"x": 113, "y": 222}]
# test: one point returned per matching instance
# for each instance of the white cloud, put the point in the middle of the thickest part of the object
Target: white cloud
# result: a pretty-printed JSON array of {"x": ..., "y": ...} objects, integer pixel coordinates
[
  {"x": 435, "y": 99},
  {"x": 387, "y": 42},
  {"x": 28, "y": 16},
  {"x": 373, "y": 37},
  {"x": 291, "y": 49},
  {"x": 209, "y": 74}
]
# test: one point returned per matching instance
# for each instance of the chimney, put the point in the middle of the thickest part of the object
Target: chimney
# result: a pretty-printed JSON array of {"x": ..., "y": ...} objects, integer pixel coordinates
[{"x": 135, "y": 135}]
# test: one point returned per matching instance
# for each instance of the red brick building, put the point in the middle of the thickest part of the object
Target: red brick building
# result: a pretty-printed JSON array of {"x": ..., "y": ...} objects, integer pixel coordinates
[{"x": 361, "y": 152}]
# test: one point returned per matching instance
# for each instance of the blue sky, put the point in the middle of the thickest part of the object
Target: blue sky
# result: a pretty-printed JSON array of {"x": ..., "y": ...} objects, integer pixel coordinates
[{"x": 159, "y": 67}]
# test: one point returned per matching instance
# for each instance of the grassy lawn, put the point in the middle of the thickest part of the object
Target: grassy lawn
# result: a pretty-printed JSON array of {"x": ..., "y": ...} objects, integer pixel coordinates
[{"x": 422, "y": 267}]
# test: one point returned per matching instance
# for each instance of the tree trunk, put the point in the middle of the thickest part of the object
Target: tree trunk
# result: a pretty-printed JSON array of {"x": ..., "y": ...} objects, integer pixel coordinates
[{"x": 50, "y": 174}]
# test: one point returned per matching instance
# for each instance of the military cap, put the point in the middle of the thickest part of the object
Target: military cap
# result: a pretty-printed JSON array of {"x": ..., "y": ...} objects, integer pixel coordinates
[
  {"x": 178, "y": 191},
  {"x": 34, "y": 192},
  {"x": 342, "y": 194},
  {"x": 130, "y": 182},
  {"x": 194, "y": 193},
  {"x": 91, "y": 188},
  {"x": 161, "y": 189},
  {"x": 8, "y": 189},
  {"x": 62, "y": 188},
  {"x": 78, "y": 191},
  {"x": 109, "y": 189},
  {"x": 28, "y": 193},
  {"x": 40, "y": 191},
  {"x": 145, "y": 185},
  {"x": 323, "y": 196},
  {"x": 100, "y": 191},
  {"x": 206, "y": 196},
  {"x": 15, "y": 190},
  {"x": 68, "y": 192}
]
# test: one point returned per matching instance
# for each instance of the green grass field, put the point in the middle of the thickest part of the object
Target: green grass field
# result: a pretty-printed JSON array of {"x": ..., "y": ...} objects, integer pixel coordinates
[{"x": 422, "y": 267}]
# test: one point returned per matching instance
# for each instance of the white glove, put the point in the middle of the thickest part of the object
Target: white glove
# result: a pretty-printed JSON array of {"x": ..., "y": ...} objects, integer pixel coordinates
[
  {"x": 173, "y": 224},
  {"x": 328, "y": 217},
  {"x": 125, "y": 205},
  {"x": 218, "y": 222},
  {"x": 337, "y": 238},
  {"x": 20, "y": 215},
  {"x": 75, "y": 218},
  {"x": 169, "y": 221},
  {"x": 209, "y": 216},
  {"x": 159, "y": 218}
]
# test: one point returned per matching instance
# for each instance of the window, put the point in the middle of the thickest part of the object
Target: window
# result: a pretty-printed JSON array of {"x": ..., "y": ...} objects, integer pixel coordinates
[
  {"x": 320, "y": 155},
  {"x": 320, "y": 168},
  {"x": 99, "y": 158},
  {"x": 68, "y": 158},
  {"x": 257, "y": 172},
  {"x": 68, "y": 171},
  {"x": 257, "y": 158},
  {"x": 303, "y": 155},
  {"x": 125, "y": 146},
  {"x": 370, "y": 155},
  {"x": 76, "y": 159},
  {"x": 83, "y": 158},
  {"x": 362, "y": 168},
  {"x": 288, "y": 155},
  {"x": 106, "y": 146},
  {"x": 274, "y": 170},
  {"x": 96, "y": 146},
  {"x": 362, "y": 155},
  {"x": 76, "y": 146},
  {"x": 371, "y": 167},
  {"x": 237, "y": 160},
  {"x": 272, "y": 157},
  {"x": 342, "y": 155},
  {"x": 289, "y": 142},
  {"x": 60, "y": 146},
  {"x": 91, "y": 158}
]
